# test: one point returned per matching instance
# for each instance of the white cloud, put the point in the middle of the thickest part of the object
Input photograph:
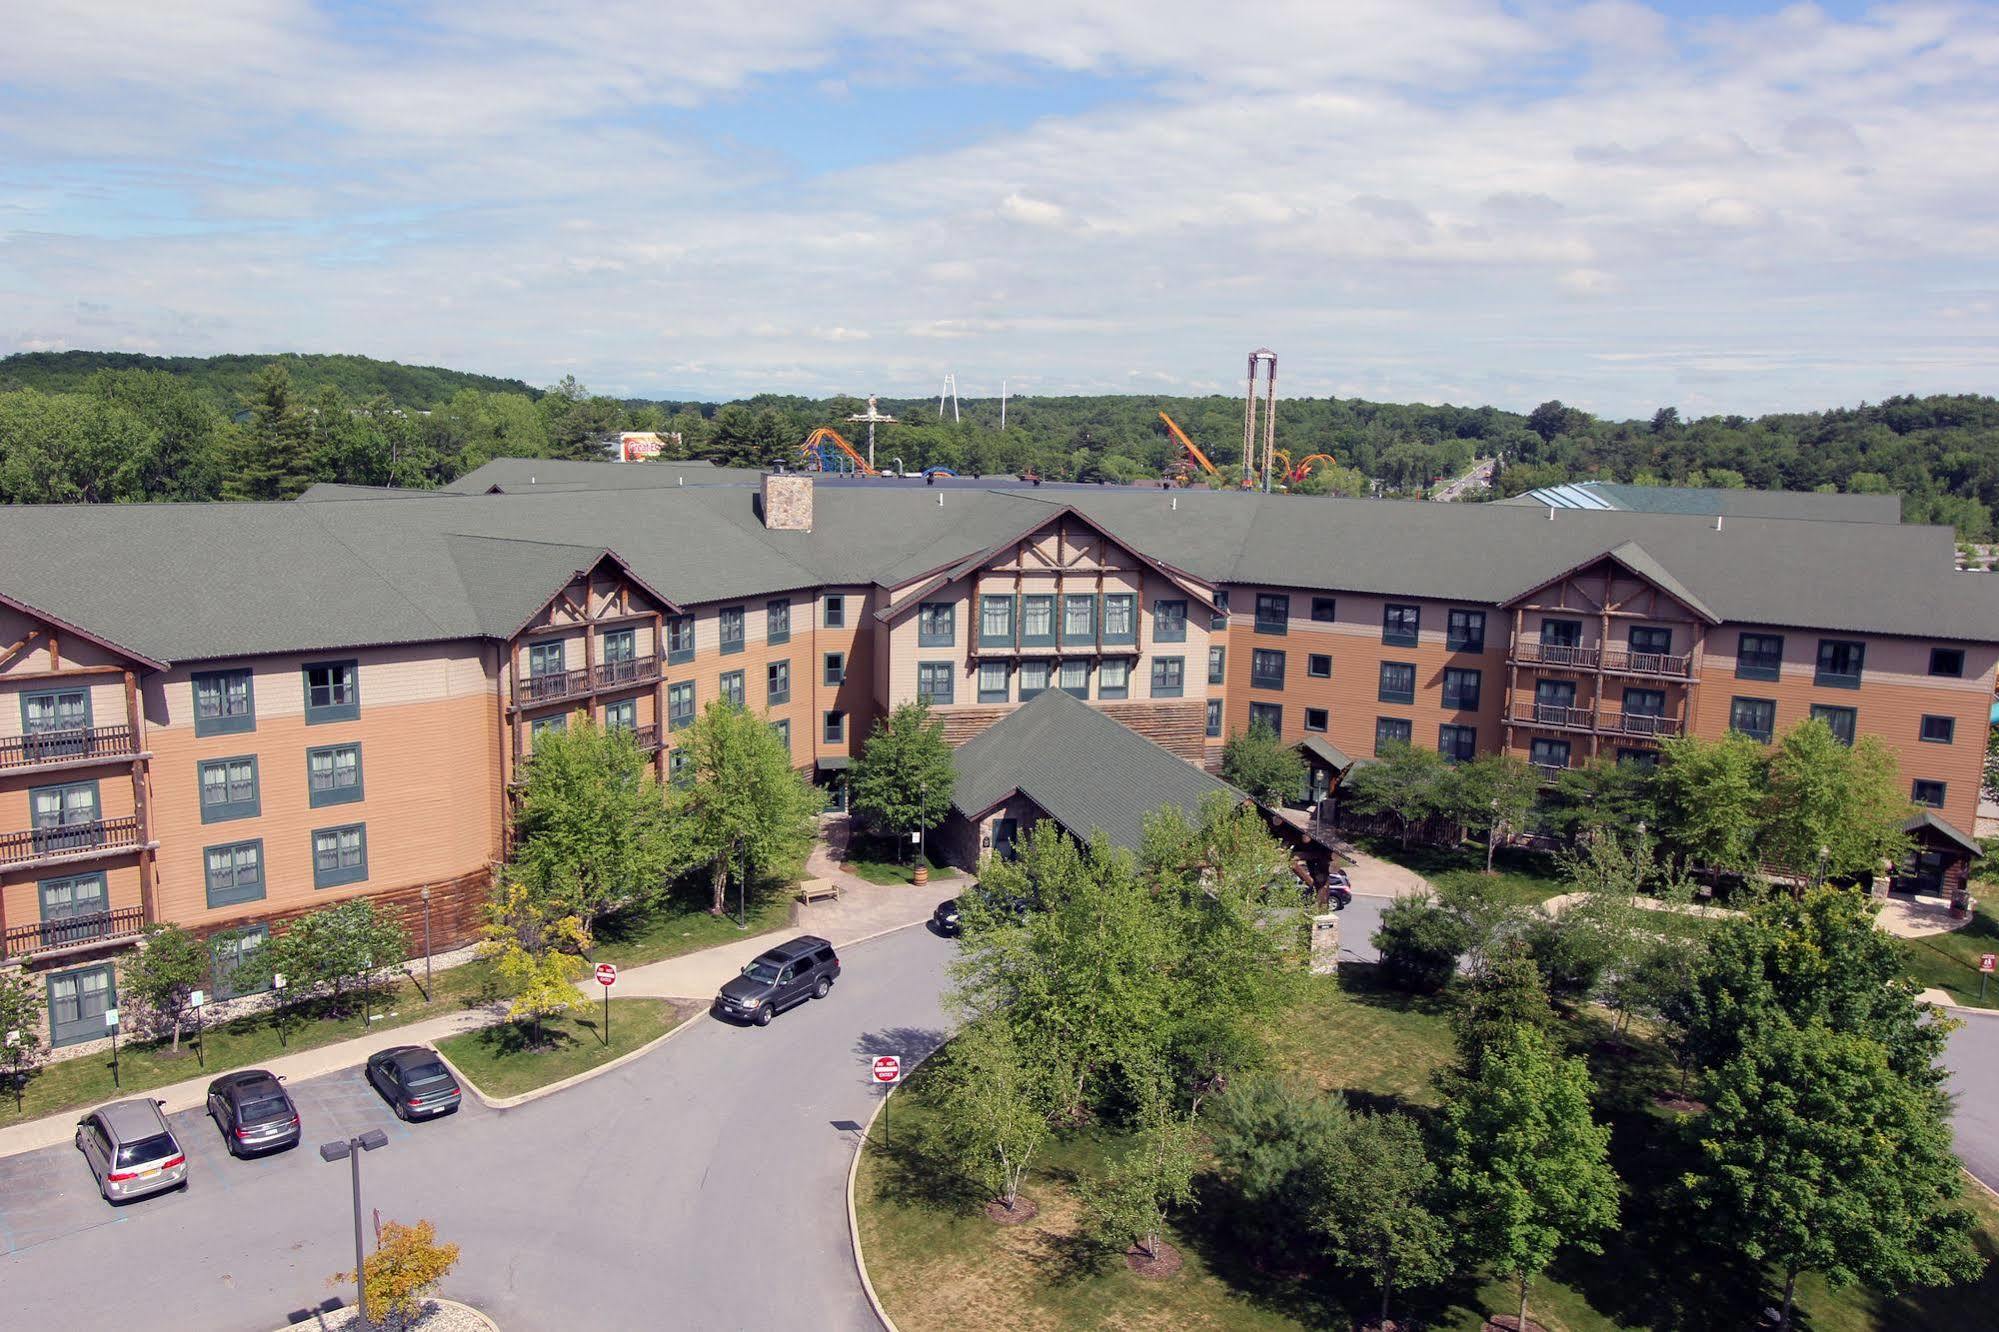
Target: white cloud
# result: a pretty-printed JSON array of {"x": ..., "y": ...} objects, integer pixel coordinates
[{"x": 1451, "y": 199}]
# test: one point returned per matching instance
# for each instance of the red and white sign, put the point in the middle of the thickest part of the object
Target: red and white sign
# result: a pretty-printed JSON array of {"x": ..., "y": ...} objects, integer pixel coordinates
[
  {"x": 1988, "y": 961},
  {"x": 607, "y": 974},
  {"x": 888, "y": 1069}
]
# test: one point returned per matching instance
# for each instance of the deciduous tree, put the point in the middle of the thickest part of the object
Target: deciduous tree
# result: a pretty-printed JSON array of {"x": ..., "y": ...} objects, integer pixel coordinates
[
  {"x": 1259, "y": 763},
  {"x": 592, "y": 831},
  {"x": 904, "y": 777},
  {"x": 163, "y": 975},
  {"x": 536, "y": 947},
  {"x": 1524, "y": 1159},
  {"x": 328, "y": 950},
  {"x": 1818, "y": 1156},
  {"x": 1375, "y": 1205},
  {"x": 407, "y": 1265},
  {"x": 21, "y": 1007},
  {"x": 1824, "y": 796},
  {"x": 1406, "y": 785},
  {"x": 746, "y": 808},
  {"x": 1713, "y": 798},
  {"x": 1129, "y": 1206},
  {"x": 994, "y": 1107}
]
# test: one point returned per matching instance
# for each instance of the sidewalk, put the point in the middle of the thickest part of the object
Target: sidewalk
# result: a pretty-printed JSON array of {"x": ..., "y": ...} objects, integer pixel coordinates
[
  {"x": 861, "y": 913},
  {"x": 1371, "y": 876}
]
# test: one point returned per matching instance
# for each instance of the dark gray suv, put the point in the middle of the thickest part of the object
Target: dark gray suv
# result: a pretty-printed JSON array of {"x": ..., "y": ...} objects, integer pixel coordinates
[{"x": 803, "y": 968}]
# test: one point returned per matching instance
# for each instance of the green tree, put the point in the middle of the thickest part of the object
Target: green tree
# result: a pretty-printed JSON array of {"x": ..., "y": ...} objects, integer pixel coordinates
[
  {"x": 330, "y": 950},
  {"x": 1818, "y": 1156},
  {"x": 1407, "y": 785},
  {"x": 536, "y": 948},
  {"x": 1811, "y": 961},
  {"x": 1603, "y": 795},
  {"x": 1375, "y": 1205},
  {"x": 1828, "y": 799},
  {"x": 1509, "y": 994},
  {"x": 746, "y": 808},
  {"x": 163, "y": 975},
  {"x": 1420, "y": 943},
  {"x": 994, "y": 1106},
  {"x": 904, "y": 777},
  {"x": 271, "y": 455},
  {"x": 1496, "y": 794},
  {"x": 1713, "y": 796},
  {"x": 592, "y": 831},
  {"x": 1261, "y": 764},
  {"x": 1128, "y": 1208},
  {"x": 21, "y": 1008},
  {"x": 1526, "y": 1162},
  {"x": 1271, "y": 1139}
]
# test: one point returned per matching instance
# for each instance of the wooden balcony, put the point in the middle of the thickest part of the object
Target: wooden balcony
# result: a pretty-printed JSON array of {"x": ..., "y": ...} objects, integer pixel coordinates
[
  {"x": 70, "y": 842},
  {"x": 1663, "y": 665},
  {"x": 73, "y": 934},
  {"x": 53, "y": 750},
  {"x": 1559, "y": 655},
  {"x": 1617, "y": 660},
  {"x": 621, "y": 674},
  {"x": 1607, "y": 721},
  {"x": 553, "y": 687},
  {"x": 648, "y": 737}
]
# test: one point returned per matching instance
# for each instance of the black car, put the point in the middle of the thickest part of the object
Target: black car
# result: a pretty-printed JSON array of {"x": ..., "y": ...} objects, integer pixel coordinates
[
  {"x": 414, "y": 1080},
  {"x": 1339, "y": 892},
  {"x": 252, "y": 1112},
  {"x": 945, "y": 917},
  {"x": 800, "y": 969}
]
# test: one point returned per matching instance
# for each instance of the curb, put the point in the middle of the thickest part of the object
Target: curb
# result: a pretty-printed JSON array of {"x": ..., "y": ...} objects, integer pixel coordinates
[
  {"x": 535, "y": 1094},
  {"x": 479, "y": 1315},
  {"x": 854, "y": 1223}
]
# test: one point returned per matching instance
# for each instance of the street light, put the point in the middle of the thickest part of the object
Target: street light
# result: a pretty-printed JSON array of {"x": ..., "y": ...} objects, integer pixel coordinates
[
  {"x": 351, "y": 1149},
  {"x": 426, "y": 942}
]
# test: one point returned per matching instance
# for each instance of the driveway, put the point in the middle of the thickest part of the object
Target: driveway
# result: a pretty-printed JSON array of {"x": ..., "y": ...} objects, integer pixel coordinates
[
  {"x": 701, "y": 1187},
  {"x": 1973, "y": 1059}
]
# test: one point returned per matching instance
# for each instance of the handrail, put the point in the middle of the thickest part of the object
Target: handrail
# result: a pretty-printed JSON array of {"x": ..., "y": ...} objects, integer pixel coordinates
[
  {"x": 66, "y": 746},
  {"x": 69, "y": 838},
  {"x": 65, "y": 932}
]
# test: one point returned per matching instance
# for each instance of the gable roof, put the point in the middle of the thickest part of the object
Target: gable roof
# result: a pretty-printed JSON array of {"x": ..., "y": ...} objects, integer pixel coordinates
[
  {"x": 1930, "y": 821},
  {"x": 186, "y": 582},
  {"x": 1085, "y": 770},
  {"x": 1635, "y": 559}
]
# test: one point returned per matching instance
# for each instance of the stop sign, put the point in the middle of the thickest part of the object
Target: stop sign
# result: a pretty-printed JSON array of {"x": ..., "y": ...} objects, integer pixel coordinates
[
  {"x": 607, "y": 974},
  {"x": 1988, "y": 961},
  {"x": 888, "y": 1068}
]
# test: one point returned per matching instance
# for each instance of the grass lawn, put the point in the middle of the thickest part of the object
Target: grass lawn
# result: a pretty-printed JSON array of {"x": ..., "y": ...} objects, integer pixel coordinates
[
  {"x": 937, "y": 1263},
  {"x": 1525, "y": 878},
  {"x": 890, "y": 873},
  {"x": 256, "y": 1039},
  {"x": 499, "y": 1062},
  {"x": 1950, "y": 961}
]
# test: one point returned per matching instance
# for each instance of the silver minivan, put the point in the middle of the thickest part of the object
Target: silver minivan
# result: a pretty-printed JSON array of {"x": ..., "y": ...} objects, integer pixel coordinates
[{"x": 131, "y": 1150}]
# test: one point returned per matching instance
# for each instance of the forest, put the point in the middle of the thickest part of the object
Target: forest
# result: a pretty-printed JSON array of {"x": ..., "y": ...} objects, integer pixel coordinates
[{"x": 91, "y": 427}]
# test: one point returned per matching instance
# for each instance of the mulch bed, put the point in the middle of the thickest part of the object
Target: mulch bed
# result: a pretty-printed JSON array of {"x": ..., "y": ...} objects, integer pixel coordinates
[
  {"x": 1024, "y": 1210},
  {"x": 1680, "y": 1104},
  {"x": 1156, "y": 1269},
  {"x": 1510, "y": 1323}
]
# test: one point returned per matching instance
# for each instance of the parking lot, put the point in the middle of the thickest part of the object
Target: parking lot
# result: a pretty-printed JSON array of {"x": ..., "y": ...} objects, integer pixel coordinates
[{"x": 51, "y": 1193}]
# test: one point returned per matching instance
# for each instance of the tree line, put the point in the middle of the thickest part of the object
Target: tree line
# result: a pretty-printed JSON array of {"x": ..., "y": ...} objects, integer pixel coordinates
[{"x": 102, "y": 427}]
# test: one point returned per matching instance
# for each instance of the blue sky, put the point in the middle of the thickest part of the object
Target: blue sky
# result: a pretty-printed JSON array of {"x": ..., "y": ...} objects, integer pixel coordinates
[{"x": 1723, "y": 206}]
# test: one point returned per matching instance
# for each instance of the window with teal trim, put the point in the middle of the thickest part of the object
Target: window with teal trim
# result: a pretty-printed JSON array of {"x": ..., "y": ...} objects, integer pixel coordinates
[
  {"x": 332, "y": 691},
  {"x": 1120, "y": 618},
  {"x": 224, "y": 703},
  {"x": 234, "y": 873},
  {"x": 339, "y": 855},
  {"x": 1037, "y": 621},
  {"x": 229, "y": 789}
]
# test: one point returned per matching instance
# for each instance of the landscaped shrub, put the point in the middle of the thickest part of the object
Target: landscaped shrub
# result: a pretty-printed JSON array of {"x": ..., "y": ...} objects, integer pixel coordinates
[{"x": 1420, "y": 943}]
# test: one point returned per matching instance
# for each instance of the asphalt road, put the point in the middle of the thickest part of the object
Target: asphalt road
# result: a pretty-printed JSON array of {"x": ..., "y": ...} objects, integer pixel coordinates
[
  {"x": 1973, "y": 1059},
  {"x": 701, "y": 1187}
]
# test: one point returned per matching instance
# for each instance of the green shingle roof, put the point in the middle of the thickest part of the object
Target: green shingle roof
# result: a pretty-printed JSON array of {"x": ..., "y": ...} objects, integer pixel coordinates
[
  {"x": 1084, "y": 770},
  {"x": 195, "y": 581}
]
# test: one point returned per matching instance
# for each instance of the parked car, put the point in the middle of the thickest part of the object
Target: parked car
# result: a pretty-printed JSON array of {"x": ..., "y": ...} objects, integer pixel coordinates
[
  {"x": 803, "y": 968},
  {"x": 1339, "y": 890},
  {"x": 414, "y": 1081},
  {"x": 131, "y": 1150},
  {"x": 252, "y": 1112},
  {"x": 946, "y": 916}
]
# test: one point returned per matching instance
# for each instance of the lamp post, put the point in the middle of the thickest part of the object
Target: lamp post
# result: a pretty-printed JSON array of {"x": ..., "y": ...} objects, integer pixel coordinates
[
  {"x": 351, "y": 1149},
  {"x": 742, "y": 891},
  {"x": 1492, "y": 835},
  {"x": 426, "y": 942},
  {"x": 1819, "y": 872}
]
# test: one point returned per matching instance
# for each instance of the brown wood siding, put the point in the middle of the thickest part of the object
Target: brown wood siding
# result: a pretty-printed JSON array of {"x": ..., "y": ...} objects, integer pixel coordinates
[
  {"x": 1174, "y": 724},
  {"x": 457, "y": 910}
]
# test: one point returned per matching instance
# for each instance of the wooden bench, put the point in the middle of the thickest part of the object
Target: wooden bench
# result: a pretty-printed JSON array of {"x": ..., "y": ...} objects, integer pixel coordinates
[{"x": 813, "y": 889}]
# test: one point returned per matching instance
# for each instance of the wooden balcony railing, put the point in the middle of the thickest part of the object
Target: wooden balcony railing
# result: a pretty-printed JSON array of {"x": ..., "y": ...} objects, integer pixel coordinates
[
  {"x": 1556, "y": 654},
  {"x": 71, "y": 932},
  {"x": 648, "y": 736},
  {"x": 1551, "y": 714},
  {"x": 83, "y": 745},
  {"x": 1638, "y": 723},
  {"x": 70, "y": 841},
  {"x": 1675, "y": 665},
  {"x": 554, "y": 685},
  {"x": 617, "y": 674}
]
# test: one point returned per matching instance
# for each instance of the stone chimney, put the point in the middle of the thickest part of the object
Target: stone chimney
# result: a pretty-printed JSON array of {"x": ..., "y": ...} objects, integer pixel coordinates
[{"x": 787, "y": 499}]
